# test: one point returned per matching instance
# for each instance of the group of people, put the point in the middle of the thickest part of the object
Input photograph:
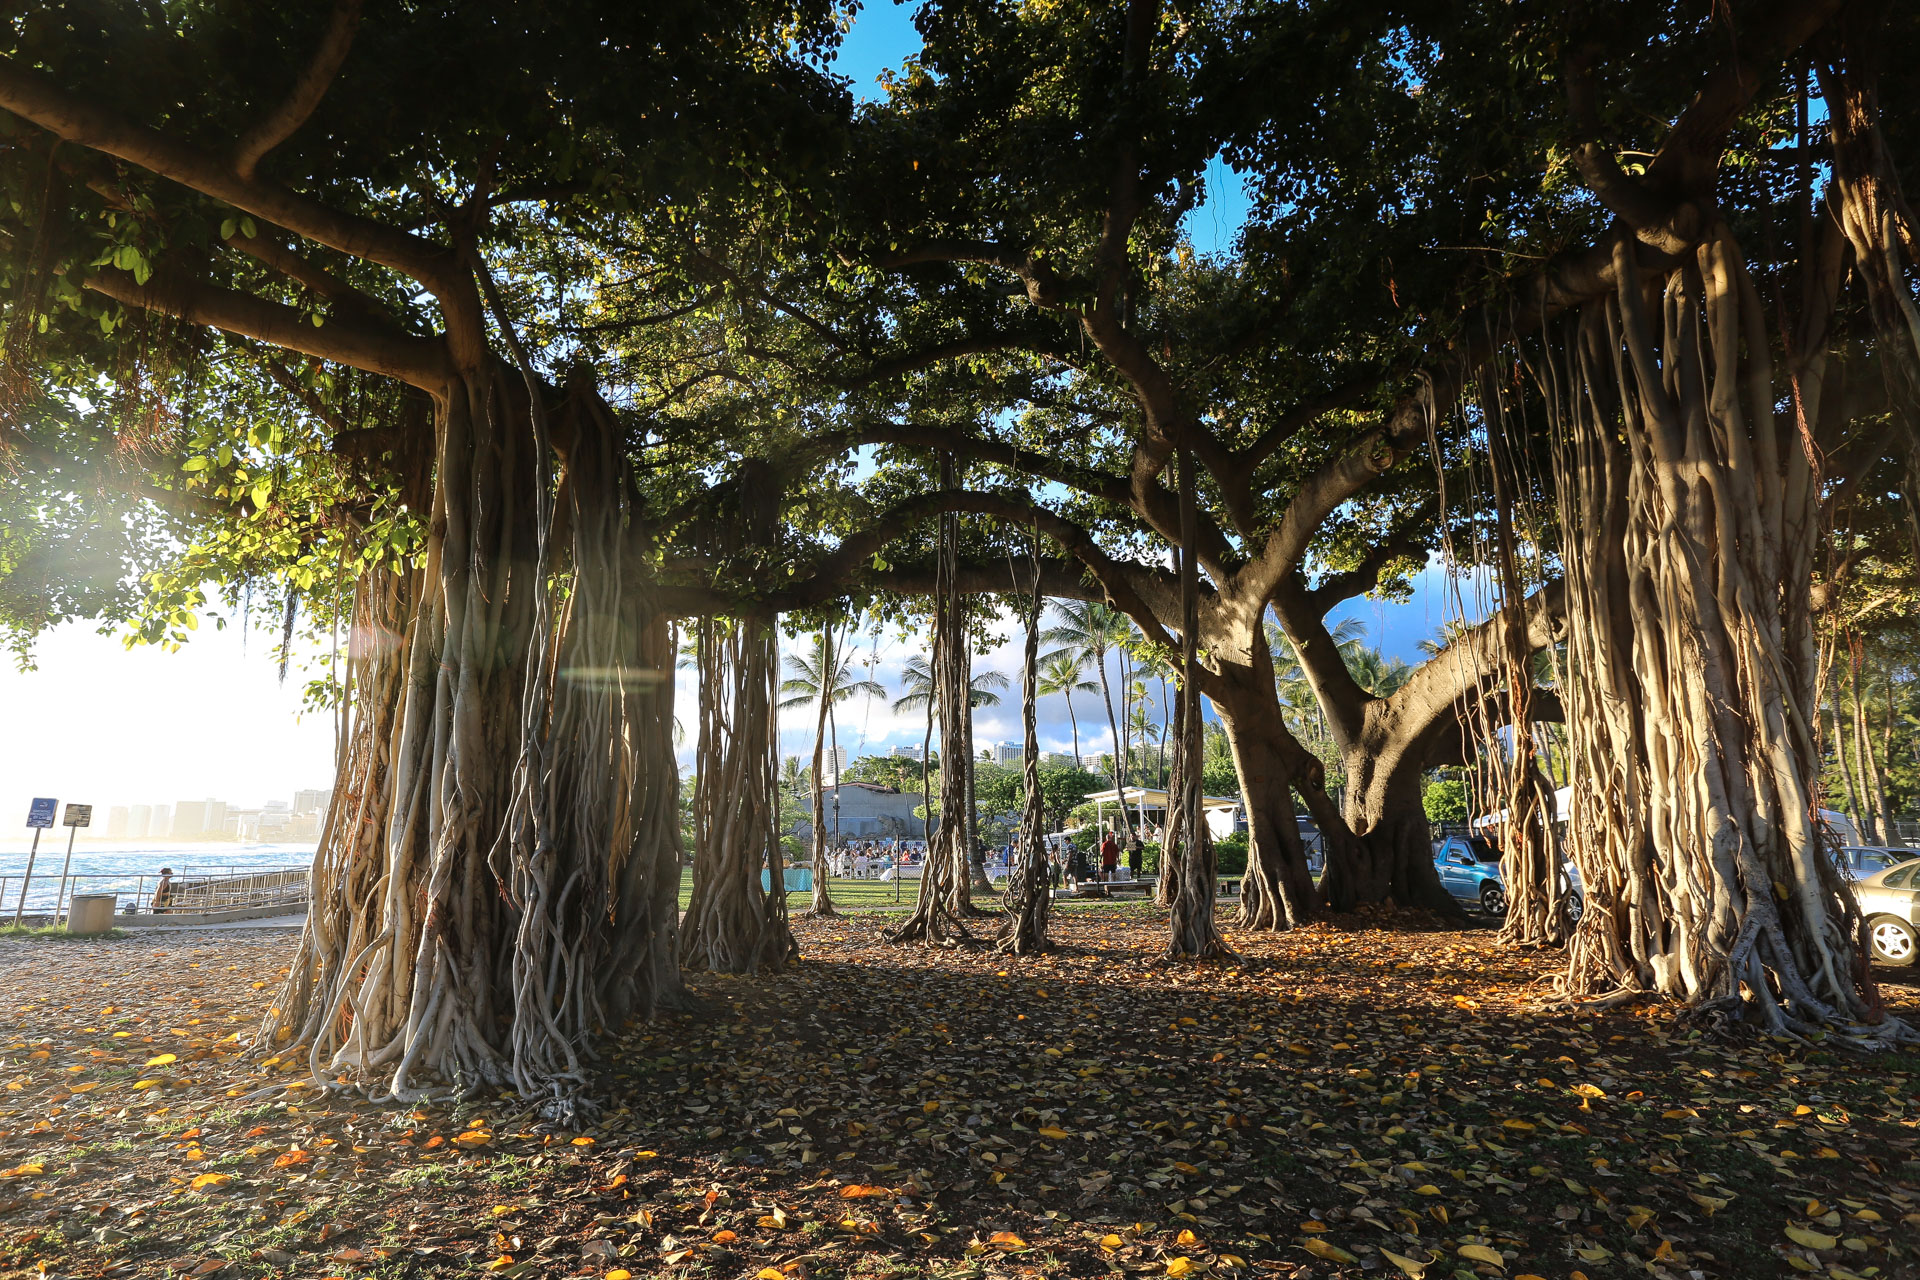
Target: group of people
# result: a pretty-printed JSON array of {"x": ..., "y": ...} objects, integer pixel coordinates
[
  {"x": 866, "y": 859},
  {"x": 1102, "y": 863}
]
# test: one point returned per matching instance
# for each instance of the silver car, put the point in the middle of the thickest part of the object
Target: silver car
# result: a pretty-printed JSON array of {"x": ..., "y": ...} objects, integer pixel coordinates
[{"x": 1890, "y": 900}]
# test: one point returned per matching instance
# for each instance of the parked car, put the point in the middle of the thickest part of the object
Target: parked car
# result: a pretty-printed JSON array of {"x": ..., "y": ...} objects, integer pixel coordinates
[
  {"x": 1890, "y": 900},
  {"x": 1865, "y": 859},
  {"x": 1469, "y": 868}
]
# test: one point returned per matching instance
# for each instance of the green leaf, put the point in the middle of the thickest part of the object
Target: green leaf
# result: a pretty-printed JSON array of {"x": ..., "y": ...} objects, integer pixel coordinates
[{"x": 195, "y": 464}]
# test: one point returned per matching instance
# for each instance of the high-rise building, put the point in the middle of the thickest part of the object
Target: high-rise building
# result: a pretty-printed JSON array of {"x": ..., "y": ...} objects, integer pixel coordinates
[
  {"x": 311, "y": 799},
  {"x": 1007, "y": 753},
  {"x": 117, "y": 822},
  {"x": 160, "y": 824},
  {"x": 215, "y": 825},
  {"x": 138, "y": 819},
  {"x": 189, "y": 819},
  {"x": 907, "y": 753}
]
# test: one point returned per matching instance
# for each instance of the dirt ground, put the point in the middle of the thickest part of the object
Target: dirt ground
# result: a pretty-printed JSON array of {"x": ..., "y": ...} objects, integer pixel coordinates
[{"x": 1344, "y": 1101}]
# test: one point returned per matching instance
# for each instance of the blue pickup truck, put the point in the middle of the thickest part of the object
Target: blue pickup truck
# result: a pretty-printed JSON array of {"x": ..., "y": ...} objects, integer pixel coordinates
[{"x": 1469, "y": 868}]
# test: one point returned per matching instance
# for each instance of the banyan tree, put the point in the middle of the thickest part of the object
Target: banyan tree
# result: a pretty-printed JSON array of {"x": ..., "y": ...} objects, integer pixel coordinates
[{"x": 520, "y": 343}]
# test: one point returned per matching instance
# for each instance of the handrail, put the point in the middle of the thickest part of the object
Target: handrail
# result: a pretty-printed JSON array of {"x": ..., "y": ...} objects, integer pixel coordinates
[{"x": 189, "y": 892}]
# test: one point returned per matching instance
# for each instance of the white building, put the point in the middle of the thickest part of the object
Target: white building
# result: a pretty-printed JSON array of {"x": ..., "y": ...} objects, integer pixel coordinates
[
  {"x": 867, "y": 812},
  {"x": 907, "y": 753},
  {"x": 189, "y": 819},
  {"x": 311, "y": 799},
  {"x": 139, "y": 820},
  {"x": 161, "y": 823},
  {"x": 117, "y": 822},
  {"x": 1008, "y": 753}
]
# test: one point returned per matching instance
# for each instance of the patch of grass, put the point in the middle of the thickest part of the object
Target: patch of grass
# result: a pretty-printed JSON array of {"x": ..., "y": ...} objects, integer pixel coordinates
[{"x": 57, "y": 933}]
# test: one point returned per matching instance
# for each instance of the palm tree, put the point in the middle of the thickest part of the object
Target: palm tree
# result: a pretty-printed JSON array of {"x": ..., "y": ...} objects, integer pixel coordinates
[
  {"x": 1088, "y": 630},
  {"x": 1061, "y": 673},
  {"x": 826, "y": 675}
]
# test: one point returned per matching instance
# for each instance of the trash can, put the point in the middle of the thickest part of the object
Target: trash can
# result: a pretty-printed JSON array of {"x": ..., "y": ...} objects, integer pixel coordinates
[{"x": 90, "y": 912}]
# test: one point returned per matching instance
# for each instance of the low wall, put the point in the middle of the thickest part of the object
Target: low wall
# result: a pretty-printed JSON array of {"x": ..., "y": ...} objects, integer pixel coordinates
[{"x": 180, "y": 919}]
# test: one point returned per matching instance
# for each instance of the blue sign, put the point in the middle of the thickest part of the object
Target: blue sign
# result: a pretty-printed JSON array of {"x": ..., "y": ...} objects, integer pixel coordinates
[{"x": 41, "y": 813}]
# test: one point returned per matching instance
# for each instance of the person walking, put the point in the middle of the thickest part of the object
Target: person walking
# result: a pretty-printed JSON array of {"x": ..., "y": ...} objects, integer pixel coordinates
[{"x": 1109, "y": 856}]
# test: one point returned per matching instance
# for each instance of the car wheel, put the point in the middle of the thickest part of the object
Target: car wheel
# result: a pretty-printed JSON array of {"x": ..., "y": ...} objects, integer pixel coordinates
[
  {"x": 1576, "y": 907},
  {"x": 1493, "y": 899},
  {"x": 1893, "y": 940}
]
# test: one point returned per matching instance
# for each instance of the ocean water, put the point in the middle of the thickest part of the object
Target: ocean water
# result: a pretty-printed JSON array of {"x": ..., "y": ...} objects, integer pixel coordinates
[{"x": 119, "y": 867}]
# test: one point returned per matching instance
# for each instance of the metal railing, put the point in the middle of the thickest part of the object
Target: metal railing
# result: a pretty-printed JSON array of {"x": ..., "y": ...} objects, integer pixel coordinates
[{"x": 46, "y": 896}]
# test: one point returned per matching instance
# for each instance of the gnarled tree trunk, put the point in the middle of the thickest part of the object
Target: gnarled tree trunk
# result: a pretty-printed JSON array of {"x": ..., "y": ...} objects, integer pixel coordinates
[
  {"x": 939, "y": 910},
  {"x": 1029, "y": 886},
  {"x": 1277, "y": 890},
  {"x": 1690, "y": 517},
  {"x": 1192, "y": 931},
  {"x": 733, "y": 924},
  {"x": 520, "y": 892}
]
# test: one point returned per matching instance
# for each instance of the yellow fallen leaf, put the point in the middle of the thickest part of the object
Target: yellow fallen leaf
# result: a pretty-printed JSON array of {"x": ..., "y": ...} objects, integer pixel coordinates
[
  {"x": 861, "y": 1191},
  {"x": 1709, "y": 1203},
  {"x": 1426, "y": 1189},
  {"x": 1312, "y": 1225},
  {"x": 290, "y": 1158},
  {"x": 621, "y": 1273},
  {"x": 1181, "y": 1266},
  {"x": 500, "y": 1263},
  {"x": 1326, "y": 1249},
  {"x": 583, "y": 1141},
  {"x": 1184, "y": 1167},
  {"x": 206, "y": 1180},
  {"x": 1111, "y": 1242},
  {"x": 1006, "y": 1240},
  {"x": 764, "y": 1273},
  {"x": 1233, "y": 1260},
  {"x": 160, "y": 1060},
  {"x": 1407, "y": 1265},
  {"x": 1056, "y": 1134},
  {"x": 1523, "y": 1125},
  {"x": 1811, "y": 1239},
  {"x": 472, "y": 1138},
  {"x": 502, "y": 1210},
  {"x": 1590, "y": 1091},
  {"x": 22, "y": 1171},
  {"x": 1186, "y": 1237},
  {"x": 1480, "y": 1253}
]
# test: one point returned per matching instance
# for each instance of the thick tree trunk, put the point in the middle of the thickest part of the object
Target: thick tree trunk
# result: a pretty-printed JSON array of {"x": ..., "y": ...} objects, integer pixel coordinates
[
  {"x": 479, "y": 916},
  {"x": 1385, "y": 811},
  {"x": 1277, "y": 890},
  {"x": 1691, "y": 523}
]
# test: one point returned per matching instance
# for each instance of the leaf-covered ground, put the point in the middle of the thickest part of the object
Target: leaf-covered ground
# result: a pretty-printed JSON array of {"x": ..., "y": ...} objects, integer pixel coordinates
[{"x": 1345, "y": 1101}]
